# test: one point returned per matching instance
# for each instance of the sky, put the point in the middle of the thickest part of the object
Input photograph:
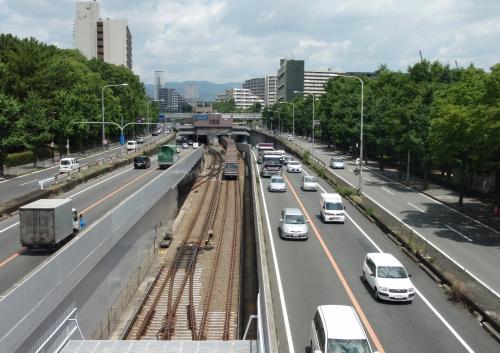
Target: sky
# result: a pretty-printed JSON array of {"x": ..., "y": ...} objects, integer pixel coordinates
[{"x": 235, "y": 40}]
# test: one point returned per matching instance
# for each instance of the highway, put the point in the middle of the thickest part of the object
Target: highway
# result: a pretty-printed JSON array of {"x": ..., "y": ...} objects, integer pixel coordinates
[
  {"x": 93, "y": 199},
  {"x": 326, "y": 269},
  {"x": 466, "y": 241},
  {"x": 23, "y": 184}
]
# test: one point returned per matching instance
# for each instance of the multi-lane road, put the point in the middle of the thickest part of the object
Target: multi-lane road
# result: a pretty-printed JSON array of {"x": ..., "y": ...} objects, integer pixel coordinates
[
  {"x": 466, "y": 241},
  {"x": 326, "y": 269},
  {"x": 92, "y": 199},
  {"x": 21, "y": 185}
]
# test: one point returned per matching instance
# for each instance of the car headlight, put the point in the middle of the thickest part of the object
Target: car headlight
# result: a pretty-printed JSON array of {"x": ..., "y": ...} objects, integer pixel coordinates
[
  {"x": 411, "y": 290},
  {"x": 382, "y": 289}
]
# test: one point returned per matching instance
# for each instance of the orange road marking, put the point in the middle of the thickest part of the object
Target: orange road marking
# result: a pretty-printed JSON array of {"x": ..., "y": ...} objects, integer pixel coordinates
[
  {"x": 13, "y": 256},
  {"x": 335, "y": 266}
]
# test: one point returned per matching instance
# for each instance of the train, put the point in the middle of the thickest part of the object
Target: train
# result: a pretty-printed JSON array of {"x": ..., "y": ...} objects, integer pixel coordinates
[{"x": 231, "y": 166}]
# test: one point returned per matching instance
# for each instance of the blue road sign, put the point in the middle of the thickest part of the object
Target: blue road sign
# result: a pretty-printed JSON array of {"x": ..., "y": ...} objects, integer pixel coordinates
[{"x": 122, "y": 139}]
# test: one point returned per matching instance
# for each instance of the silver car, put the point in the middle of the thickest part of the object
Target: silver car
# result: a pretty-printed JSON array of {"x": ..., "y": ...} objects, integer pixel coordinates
[
  {"x": 336, "y": 163},
  {"x": 309, "y": 182},
  {"x": 277, "y": 183},
  {"x": 293, "y": 224}
]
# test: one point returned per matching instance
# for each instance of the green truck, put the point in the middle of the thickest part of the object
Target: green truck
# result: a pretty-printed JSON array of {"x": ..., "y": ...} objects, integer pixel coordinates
[{"x": 167, "y": 155}]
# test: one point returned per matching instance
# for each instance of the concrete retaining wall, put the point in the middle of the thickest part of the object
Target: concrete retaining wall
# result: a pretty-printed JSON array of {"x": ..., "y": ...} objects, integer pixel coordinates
[{"x": 89, "y": 273}]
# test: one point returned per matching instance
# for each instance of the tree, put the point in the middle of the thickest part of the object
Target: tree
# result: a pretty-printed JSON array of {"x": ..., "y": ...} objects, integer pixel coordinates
[{"x": 9, "y": 108}]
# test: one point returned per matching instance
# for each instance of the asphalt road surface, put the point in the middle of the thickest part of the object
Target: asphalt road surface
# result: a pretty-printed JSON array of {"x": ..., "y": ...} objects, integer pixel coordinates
[
  {"x": 326, "y": 269},
  {"x": 21, "y": 185},
  {"x": 93, "y": 199}
]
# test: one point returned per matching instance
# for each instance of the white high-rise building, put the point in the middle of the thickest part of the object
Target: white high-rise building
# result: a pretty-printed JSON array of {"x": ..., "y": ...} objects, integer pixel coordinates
[
  {"x": 243, "y": 98},
  {"x": 159, "y": 78},
  {"x": 315, "y": 81},
  {"x": 105, "y": 39},
  {"x": 270, "y": 91}
]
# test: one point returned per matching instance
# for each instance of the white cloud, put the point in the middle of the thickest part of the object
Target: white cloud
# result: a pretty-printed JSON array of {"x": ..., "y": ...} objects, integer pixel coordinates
[{"x": 228, "y": 40}]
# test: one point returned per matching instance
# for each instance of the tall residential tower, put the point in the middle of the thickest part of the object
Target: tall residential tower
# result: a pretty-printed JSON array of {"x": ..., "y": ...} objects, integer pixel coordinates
[{"x": 104, "y": 39}]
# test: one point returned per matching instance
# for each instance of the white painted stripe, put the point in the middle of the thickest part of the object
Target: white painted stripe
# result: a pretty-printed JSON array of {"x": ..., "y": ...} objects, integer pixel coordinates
[
  {"x": 276, "y": 266},
  {"x": 29, "y": 182},
  {"x": 7, "y": 228},
  {"x": 456, "y": 231},
  {"x": 390, "y": 192},
  {"x": 412, "y": 205},
  {"x": 429, "y": 242},
  {"x": 424, "y": 299}
]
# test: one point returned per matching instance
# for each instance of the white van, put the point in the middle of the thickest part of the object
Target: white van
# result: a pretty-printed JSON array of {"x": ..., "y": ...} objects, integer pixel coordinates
[
  {"x": 196, "y": 145},
  {"x": 68, "y": 164},
  {"x": 332, "y": 208},
  {"x": 131, "y": 145},
  {"x": 337, "y": 328}
]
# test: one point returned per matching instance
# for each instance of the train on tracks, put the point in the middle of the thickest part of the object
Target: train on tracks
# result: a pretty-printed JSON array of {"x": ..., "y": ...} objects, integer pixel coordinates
[{"x": 231, "y": 166}]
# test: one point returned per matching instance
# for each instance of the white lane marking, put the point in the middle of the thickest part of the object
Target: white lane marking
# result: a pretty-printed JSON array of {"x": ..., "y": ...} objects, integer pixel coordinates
[
  {"x": 276, "y": 266},
  {"x": 412, "y": 205},
  {"x": 390, "y": 192},
  {"x": 424, "y": 299},
  {"x": 7, "y": 228},
  {"x": 57, "y": 165},
  {"x": 82, "y": 191},
  {"x": 29, "y": 182},
  {"x": 434, "y": 200},
  {"x": 456, "y": 231},
  {"x": 430, "y": 243}
]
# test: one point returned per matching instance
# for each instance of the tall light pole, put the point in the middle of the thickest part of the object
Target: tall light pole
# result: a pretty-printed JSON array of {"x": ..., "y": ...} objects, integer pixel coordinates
[
  {"x": 360, "y": 182},
  {"x": 280, "y": 126},
  {"x": 147, "y": 109},
  {"x": 102, "y": 107},
  {"x": 293, "y": 117},
  {"x": 313, "y": 99}
]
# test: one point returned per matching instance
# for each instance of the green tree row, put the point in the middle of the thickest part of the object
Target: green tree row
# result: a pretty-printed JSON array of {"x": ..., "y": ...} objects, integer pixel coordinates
[
  {"x": 437, "y": 117},
  {"x": 45, "y": 90}
]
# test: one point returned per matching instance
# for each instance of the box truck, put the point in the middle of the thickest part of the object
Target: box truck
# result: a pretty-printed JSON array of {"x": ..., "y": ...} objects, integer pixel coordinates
[{"x": 47, "y": 223}]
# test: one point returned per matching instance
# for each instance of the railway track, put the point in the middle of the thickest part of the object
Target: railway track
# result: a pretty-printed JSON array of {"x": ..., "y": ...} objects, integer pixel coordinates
[{"x": 176, "y": 306}]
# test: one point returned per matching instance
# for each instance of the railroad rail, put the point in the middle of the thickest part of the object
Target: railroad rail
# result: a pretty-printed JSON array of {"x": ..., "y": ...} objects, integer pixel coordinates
[{"x": 172, "y": 308}]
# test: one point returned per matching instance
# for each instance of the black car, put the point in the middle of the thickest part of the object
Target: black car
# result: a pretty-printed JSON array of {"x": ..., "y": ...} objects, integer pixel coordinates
[{"x": 142, "y": 162}]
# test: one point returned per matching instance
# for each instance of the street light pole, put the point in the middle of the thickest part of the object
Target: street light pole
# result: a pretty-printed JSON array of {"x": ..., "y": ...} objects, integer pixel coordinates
[
  {"x": 147, "y": 109},
  {"x": 102, "y": 108},
  {"x": 360, "y": 181},
  {"x": 313, "y": 99}
]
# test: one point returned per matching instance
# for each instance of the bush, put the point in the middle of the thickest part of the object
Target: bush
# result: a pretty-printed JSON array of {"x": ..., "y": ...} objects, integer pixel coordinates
[
  {"x": 346, "y": 191},
  {"x": 19, "y": 158}
]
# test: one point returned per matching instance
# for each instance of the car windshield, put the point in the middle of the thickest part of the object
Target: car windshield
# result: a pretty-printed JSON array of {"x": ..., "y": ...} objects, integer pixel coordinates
[
  {"x": 65, "y": 162},
  {"x": 337, "y": 160},
  {"x": 309, "y": 179},
  {"x": 294, "y": 163},
  {"x": 391, "y": 272},
  {"x": 333, "y": 206},
  {"x": 140, "y": 159},
  {"x": 348, "y": 346},
  {"x": 294, "y": 219},
  {"x": 277, "y": 180}
]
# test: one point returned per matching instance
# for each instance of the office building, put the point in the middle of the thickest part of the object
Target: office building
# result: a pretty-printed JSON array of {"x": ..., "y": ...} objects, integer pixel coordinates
[
  {"x": 172, "y": 101},
  {"x": 159, "y": 82},
  {"x": 242, "y": 97},
  {"x": 315, "y": 81},
  {"x": 190, "y": 93},
  {"x": 290, "y": 78},
  {"x": 257, "y": 86},
  {"x": 270, "y": 91},
  {"x": 105, "y": 39}
]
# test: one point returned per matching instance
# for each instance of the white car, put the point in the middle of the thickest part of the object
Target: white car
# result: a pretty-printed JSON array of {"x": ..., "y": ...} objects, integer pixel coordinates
[
  {"x": 277, "y": 183},
  {"x": 293, "y": 224},
  {"x": 309, "y": 182},
  {"x": 294, "y": 167},
  {"x": 387, "y": 277},
  {"x": 289, "y": 137},
  {"x": 336, "y": 163}
]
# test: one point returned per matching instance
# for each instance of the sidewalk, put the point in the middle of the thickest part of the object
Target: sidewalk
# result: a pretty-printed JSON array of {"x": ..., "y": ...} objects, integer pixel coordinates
[
  {"x": 47, "y": 163},
  {"x": 472, "y": 207}
]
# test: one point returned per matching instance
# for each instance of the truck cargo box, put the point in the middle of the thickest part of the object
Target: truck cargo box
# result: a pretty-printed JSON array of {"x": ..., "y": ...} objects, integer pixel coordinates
[{"x": 46, "y": 222}]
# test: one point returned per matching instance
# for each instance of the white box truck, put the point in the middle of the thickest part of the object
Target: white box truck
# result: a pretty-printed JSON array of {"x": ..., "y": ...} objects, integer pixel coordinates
[
  {"x": 332, "y": 208},
  {"x": 46, "y": 223}
]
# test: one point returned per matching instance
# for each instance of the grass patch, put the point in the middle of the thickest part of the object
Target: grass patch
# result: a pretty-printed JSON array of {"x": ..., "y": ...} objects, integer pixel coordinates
[{"x": 346, "y": 191}]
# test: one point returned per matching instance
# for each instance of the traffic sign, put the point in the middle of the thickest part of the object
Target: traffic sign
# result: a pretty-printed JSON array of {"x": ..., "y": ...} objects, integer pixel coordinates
[{"x": 122, "y": 139}]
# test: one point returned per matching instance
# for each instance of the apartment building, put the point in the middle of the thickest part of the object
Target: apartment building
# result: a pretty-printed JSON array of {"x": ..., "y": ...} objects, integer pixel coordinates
[
  {"x": 105, "y": 39},
  {"x": 171, "y": 101},
  {"x": 257, "y": 86},
  {"x": 243, "y": 97},
  {"x": 270, "y": 91}
]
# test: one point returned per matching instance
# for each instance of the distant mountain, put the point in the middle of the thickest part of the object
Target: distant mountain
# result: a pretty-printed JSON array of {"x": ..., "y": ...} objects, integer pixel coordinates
[{"x": 207, "y": 91}]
